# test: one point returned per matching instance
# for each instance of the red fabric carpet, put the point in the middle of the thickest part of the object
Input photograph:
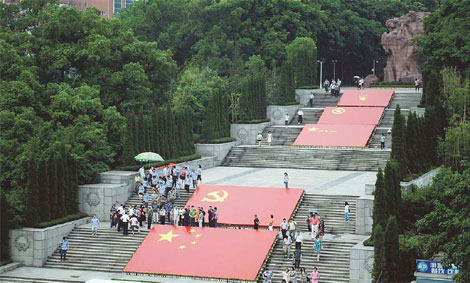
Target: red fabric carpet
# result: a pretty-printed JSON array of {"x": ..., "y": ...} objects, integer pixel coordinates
[
  {"x": 202, "y": 252},
  {"x": 335, "y": 135},
  {"x": 238, "y": 205},
  {"x": 366, "y": 97},
  {"x": 351, "y": 115}
]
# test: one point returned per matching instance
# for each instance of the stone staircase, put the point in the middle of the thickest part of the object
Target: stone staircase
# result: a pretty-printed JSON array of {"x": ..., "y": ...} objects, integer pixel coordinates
[
  {"x": 322, "y": 100},
  {"x": 7, "y": 279},
  {"x": 307, "y": 158},
  {"x": 334, "y": 260},
  {"x": 281, "y": 135},
  {"x": 406, "y": 98},
  {"x": 311, "y": 116},
  {"x": 109, "y": 251}
]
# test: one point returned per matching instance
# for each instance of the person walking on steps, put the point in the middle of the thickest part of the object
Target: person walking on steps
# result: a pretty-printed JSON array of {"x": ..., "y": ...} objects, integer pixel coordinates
[
  {"x": 300, "y": 116},
  {"x": 95, "y": 223},
  {"x": 382, "y": 141},
  {"x": 286, "y": 119},
  {"x": 310, "y": 99},
  {"x": 286, "y": 180},
  {"x": 256, "y": 222},
  {"x": 417, "y": 83},
  {"x": 315, "y": 275},
  {"x": 269, "y": 138},
  {"x": 271, "y": 223},
  {"x": 346, "y": 212},
  {"x": 297, "y": 257},
  {"x": 287, "y": 243},
  {"x": 317, "y": 246},
  {"x": 326, "y": 85},
  {"x": 64, "y": 247}
]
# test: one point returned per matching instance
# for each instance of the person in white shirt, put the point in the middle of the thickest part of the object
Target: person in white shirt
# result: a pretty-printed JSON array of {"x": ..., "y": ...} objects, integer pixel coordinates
[
  {"x": 284, "y": 227},
  {"x": 176, "y": 215},
  {"x": 310, "y": 99},
  {"x": 259, "y": 138},
  {"x": 300, "y": 116},
  {"x": 298, "y": 240},
  {"x": 286, "y": 119},
  {"x": 125, "y": 224},
  {"x": 269, "y": 138},
  {"x": 287, "y": 243},
  {"x": 346, "y": 211},
  {"x": 135, "y": 224}
]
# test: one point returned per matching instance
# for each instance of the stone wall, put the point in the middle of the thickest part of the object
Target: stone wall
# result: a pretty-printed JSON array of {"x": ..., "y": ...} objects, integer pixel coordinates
[
  {"x": 361, "y": 263},
  {"x": 302, "y": 96},
  {"x": 422, "y": 181},
  {"x": 219, "y": 151},
  {"x": 32, "y": 246},
  {"x": 277, "y": 113},
  {"x": 246, "y": 133},
  {"x": 364, "y": 208}
]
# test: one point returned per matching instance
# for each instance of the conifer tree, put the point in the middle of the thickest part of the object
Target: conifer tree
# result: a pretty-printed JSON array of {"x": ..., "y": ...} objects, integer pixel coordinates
[
  {"x": 216, "y": 124},
  {"x": 287, "y": 84},
  {"x": 392, "y": 250},
  {"x": 61, "y": 185},
  {"x": 412, "y": 143},
  {"x": 128, "y": 146},
  {"x": 430, "y": 132},
  {"x": 399, "y": 142},
  {"x": 148, "y": 133},
  {"x": 4, "y": 226},
  {"x": 162, "y": 134},
  {"x": 392, "y": 187},
  {"x": 73, "y": 185},
  {"x": 154, "y": 130},
  {"x": 32, "y": 193},
  {"x": 189, "y": 130},
  {"x": 44, "y": 190},
  {"x": 140, "y": 131},
  {"x": 171, "y": 132},
  {"x": 379, "y": 272},
  {"x": 380, "y": 213},
  {"x": 53, "y": 185}
]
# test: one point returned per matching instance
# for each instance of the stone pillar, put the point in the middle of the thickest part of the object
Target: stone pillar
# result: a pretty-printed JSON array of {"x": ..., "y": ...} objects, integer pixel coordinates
[
  {"x": 218, "y": 151},
  {"x": 364, "y": 208},
  {"x": 361, "y": 263}
]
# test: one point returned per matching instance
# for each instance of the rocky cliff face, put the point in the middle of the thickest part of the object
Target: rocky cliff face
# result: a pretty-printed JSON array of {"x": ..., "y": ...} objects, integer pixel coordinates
[{"x": 402, "y": 63}]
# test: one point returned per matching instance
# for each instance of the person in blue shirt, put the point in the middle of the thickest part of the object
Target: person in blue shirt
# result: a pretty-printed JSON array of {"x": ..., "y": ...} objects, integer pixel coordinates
[
  {"x": 187, "y": 182},
  {"x": 161, "y": 189},
  {"x": 95, "y": 222},
  {"x": 194, "y": 177},
  {"x": 169, "y": 208},
  {"x": 199, "y": 174},
  {"x": 169, "y": 185},
  {"x": 64, "y": 247},
  {"x": 382, "y": 141},
  {"x": 146, "y": 199},
  {"x": 178, "y": 185},
  {"x": 141, "y": 191},
  {"x": 142, "y": 172}
]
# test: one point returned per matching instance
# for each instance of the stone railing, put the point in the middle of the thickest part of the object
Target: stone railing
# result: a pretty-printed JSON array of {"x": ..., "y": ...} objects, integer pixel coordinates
[
  {"x": 218, "y": 151},
  {"x": 422, "y": 181},
  {"x": 364, "y": 208},
  {"x": 361, "y": 263},
  {"x": 32, "y": 246}
]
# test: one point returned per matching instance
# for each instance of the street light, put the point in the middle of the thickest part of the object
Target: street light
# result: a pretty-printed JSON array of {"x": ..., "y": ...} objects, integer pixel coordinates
[
  {"x": 334, "y": 68},
  {"x": 321, "y": 61},
  {"x": 373, "y": 69}
]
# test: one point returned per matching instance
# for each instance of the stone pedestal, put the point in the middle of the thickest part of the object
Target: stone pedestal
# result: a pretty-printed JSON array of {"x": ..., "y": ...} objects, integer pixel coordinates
[
  {"x": 98, "y": 198},
  {"x": 246, "y": 133},
  {"x": 277, "y": 113},
  {"x": 302, "y": 96},
  {"x": 32, "y": 246},
  {"x": 361, "y": 263},
  {"x": 364, "y": 208},
  {"x": 219, "y": 151}
]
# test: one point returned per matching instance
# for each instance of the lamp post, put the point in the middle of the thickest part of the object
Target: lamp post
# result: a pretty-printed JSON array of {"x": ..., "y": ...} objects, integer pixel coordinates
[
  {"x": 321, "y": 61},
  {"x": 334, "y": 68},
  {"x": 373, "y": 69}
]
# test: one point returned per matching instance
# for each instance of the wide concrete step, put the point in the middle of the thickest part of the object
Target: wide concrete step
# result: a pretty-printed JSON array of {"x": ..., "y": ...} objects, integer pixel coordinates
[{"x": 10, "y": 279}]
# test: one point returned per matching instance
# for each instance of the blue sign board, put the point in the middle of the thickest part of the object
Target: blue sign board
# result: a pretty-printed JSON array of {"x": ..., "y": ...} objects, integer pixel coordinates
[{"x": 434, "y": 267}]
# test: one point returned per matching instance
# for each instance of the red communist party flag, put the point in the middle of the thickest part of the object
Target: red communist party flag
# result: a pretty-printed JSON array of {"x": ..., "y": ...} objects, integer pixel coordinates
[{"x": 202, "y": 252}]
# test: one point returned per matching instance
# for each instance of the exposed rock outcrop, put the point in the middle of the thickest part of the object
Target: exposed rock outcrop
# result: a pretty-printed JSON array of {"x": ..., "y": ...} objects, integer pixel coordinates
[{"x": 402, "y": 63}]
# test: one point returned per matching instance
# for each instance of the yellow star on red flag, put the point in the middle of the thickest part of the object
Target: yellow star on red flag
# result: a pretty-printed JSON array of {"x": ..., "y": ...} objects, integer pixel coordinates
[{"x": 168, "y": 236}]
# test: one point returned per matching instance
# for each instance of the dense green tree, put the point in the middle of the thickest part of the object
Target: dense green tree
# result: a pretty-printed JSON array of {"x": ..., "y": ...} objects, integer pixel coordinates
[
  {"x": 399, "y": 141},
  {"x": 171, "y": 132},
  {"x": 392, "y": 187},
  {"x": 380, "y": 211},
  {"x": 61, "y": 185},
  {"x": 4, "y": 227},
  {"x": 253, "y": 100},
  {"x": 53, "y": 204},
  {"x": 32, "y": 192},
  {"x": 287, "y": 84},
  {"x": 216, "y": 124},
  {"x": 44, "y": 191},
  {"x": 379, "y": 272},
  {"x": 140, "y": 129},
  {"x": 392, "y": 251},
  {"x": 302, "y": 53},
  {"x": 413, "y": 138}
]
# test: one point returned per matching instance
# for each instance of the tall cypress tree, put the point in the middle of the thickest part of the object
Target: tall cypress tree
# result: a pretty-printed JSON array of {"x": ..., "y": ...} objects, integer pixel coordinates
[
  {"x": 287, "y": 84},
  {"x": 399, "y": 142},
  {"x": 61, "y": 185},
  {"x": 171, "y": 132},
  {"x": 380, "y": 213},
  {"x": 128, "y": 141},
  {"x": 430, "y": 132},
  {"x": 148, "y": 133},
  {"x": 53, "y": 185},
  {"x": 73, "y": 185},
  {"x": 392, "y": 250},
  {"x": 162, "y": 134},
  {"x": 216, "y": 124},
  {"x": 32, "y": 192},
  {"x": 189, "y": 130},
  {"x": 379, "y": 272},
  {"x": 140, "y": 131},
  {"x": 44, "y": 190},
  {"x": 392, "y": 187},
  {"x": 412, "y": 143},
  {"x": 4, "y": 227}
]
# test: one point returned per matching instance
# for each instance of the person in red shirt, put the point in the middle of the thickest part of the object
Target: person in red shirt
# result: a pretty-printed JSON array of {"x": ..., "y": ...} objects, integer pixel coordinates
[{"x": 314, "y": 224}]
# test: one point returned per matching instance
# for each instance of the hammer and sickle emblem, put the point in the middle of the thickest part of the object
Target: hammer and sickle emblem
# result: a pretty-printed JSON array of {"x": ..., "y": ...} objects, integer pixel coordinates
[{"x": 217, "y": 196}]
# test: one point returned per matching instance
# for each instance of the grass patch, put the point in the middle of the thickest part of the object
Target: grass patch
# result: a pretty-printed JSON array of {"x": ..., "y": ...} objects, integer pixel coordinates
[
  {"x": 288, "y": 103},
  {"x": 61, "y": 220},
  {"x": 308, "y": 87},
  {"x": 368, "y": 242},
  {"x": 256, "y": 121},
  {"x": 135, "y": 167},
  {"x": 217, "y": 141},
  {"x": 5, "y": 262}
]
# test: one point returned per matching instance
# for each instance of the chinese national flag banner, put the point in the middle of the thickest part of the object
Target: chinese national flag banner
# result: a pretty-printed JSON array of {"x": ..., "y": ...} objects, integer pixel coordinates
[
  {"x": 335, "y": 135},
  {"x": 202, "y": 252}
]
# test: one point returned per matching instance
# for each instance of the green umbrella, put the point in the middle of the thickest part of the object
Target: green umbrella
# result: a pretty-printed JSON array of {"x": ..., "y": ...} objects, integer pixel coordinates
[{"x": 148, "y": 157}]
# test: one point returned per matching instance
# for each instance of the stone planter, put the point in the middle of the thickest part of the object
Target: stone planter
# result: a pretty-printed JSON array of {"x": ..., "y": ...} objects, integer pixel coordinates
[
  {"x": 422, "y": 181},
  {"x": 246, "y": 133},
  {"x": 98, "y": 198},
  {"x": 361, "y": 263},
  {"x": 219, "y": 151},
  {"x": 277, "y": 113},
  {"x": 302, "y": 96},
  {"x": 32, "y": 246},
  {"x": 364, "y": 208}
]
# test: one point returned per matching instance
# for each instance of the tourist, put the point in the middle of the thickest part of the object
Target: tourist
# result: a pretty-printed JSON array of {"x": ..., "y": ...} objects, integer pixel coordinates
[
  {"x": 256, "y": 222},
  {"x": 287, "y": 243},
  {"x": 332, "y": 87},
  {"x": 284, "y": 226},
  {"x": 112, "y": 215},
  {"x": 155, "y": 211},
  {"x": 267, "y": 276},
  {"x": 169, "y": 186},
  {"x": 285, "y": 275},
  {"x": 315, "y": 275},
  {"x": 178, "y": 185},
  {"x": 137, "y": 181},
  {"x": 298, "y": 240},
  {"x": 192, "y": 216},
  {"x": 186, "y": 217},
  {"x": 210, "y": 217},
  {"x": 181, "y": 216},
  {"x": 382, "y": 141},
  {"x": 194, "y": 177},
  {"x": 326, "y": 85},
  {"x": 300, "y": 116},
  {"x": 169, "y": 208},
  {"x": 321, "y": 228},
  {"x": 346, "y": 212},
  {"x": 292, "y": 275},
  {"x": 125, "y": 224},
  {"x": 162, "y": 215},
  {"x": 269, "y": 138},
  {"x": 271, "y": 223},
  {"x": 216, "y": 216},
  {"x": 141, "y": 192},
  {"x": 259, "y": 138},
  {"x": 187, "y": 181},
  {"x": 361, "y": 83},
  {"x": 146, "y": 199},
  {"x": 303, "y": 275},
  {"x": 150, "y": 217},
  {"x": 176, "y": 215},
  {"x": 297, "y": 257},
  {"x": 199, "y": 174},
  {"x": 338, "y": 86},
  {"x": 310, "y": 99},
  {"x": 286, "y": 180},
  {"x": 134, "y": 224},
  {"x": 286, "y": 119},
  {"x": 317, "y": 247},
  {"x": 95, "y": 223},
  {"x": 142, "y": 172},
  {"x": 202, "y": 214},
  {"x": 64, "y": 247},
  {"x": 308, "y": 223},
  {"x": 314, "y": 224},
  {"x": 142, "y": 215},
  {"x": 292, "y": 227},
  {"x": 416, "y": 84}
]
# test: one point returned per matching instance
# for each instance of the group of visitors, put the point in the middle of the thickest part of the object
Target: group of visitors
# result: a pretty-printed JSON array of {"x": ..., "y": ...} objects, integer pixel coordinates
[
  {"x": 333, "y": 87},
  {"x": 269, "y": 138}
]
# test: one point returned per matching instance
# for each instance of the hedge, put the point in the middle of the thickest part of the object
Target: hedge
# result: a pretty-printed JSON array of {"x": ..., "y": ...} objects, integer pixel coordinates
[
  {"x": 392, "y": 86},
  {"x": 216, "y": 141},
  {"x": 136, "y": 166},
  {"x": 288, "y": 103},
  {"x": 61, "y": 220},
  {"x": 256, "y": 121},
  {"x": 308, "y": 87}
]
